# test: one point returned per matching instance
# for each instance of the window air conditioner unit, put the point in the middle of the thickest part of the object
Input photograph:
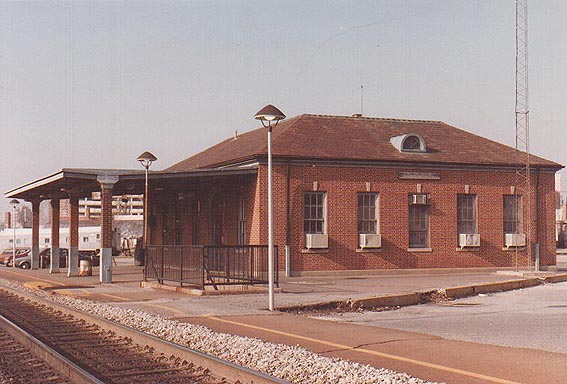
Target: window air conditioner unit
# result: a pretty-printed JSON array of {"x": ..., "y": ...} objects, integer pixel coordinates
[
  {"x": 316, "y": 240},
  {"x": 515, "y": 240},
  {"x": 418, "y": 199},
  {"x": 469, "y": 240},
  {"x": 369, "y": 240}
]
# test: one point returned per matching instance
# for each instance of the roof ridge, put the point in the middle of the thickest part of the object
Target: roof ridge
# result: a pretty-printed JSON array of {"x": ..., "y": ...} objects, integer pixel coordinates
[{"x": 374, "y": 118}]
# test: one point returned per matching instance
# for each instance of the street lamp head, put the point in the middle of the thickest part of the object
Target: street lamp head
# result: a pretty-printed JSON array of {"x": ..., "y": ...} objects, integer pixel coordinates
[
  {"x": 269, "y": 114},
  {"x": 146, "y": 159},
  {"x": 14, "y": 203}
]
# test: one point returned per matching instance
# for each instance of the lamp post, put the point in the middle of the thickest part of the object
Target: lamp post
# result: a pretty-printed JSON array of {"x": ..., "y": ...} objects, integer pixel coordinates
[
  {"x": 14, "y": 204},
  {"x": 146, "y": 159},
  {"x": 268, "y": 115}
]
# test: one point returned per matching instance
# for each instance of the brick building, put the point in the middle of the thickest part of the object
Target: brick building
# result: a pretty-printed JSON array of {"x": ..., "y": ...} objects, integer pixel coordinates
[
  {"x": 357, "y": 193},
  {"x": 350, "y": 193}
]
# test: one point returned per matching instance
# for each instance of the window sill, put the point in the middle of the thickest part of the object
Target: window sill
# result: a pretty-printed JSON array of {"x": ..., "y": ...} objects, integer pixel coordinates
[
  {"x": 315, "y": 250},
  {"x": 368, "y": 250},
  {"x": 513, "y": 249},
  {"x": 468, "y": 249},
  {"x": 419, "y": 250}
]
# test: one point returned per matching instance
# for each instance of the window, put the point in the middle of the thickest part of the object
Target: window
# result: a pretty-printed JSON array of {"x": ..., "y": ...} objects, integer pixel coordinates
[
  {"x": 98, "y": 236},
  {"x": 409, "y": 142},
  {"x": 46, "y": 240},
  {"x": 418, "y": 224},
  {"x": 367, "y": 213},
  {"x": 412, "y": 143},
  {"x": 85, "y": 239},
  {"x": 466, "y": 214},
  {"x": 314, "y": 212},
  {"x": 512, "y": 214},
  {"x": 241, "y": 221}
]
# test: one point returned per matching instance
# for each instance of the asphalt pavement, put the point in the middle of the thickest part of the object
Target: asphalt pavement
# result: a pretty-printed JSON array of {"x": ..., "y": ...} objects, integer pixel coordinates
[{"x": 527, "y": 318}]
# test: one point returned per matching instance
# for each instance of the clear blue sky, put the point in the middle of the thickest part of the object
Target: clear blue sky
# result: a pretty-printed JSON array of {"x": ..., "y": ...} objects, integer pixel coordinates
[{"x": 94, "y": 84}]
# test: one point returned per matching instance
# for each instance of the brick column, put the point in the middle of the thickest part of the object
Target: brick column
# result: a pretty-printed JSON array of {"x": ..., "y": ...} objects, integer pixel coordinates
[
  {"x": 106, "y": 183},
  {"x": 54, "y": 260},
  {"x": 35, "y": 234},
  {"x": 73, "y": 258}
]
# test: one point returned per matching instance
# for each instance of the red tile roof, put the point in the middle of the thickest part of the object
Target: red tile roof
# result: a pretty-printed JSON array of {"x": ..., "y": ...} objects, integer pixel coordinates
[{"x": 325, "y": 137}]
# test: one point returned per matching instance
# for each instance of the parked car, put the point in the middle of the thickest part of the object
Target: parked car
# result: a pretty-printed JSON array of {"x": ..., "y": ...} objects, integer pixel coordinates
[
  {"x": 45, "y": 255},
  {"x": 23, "y": 260},
  {"x": 8, "y": 253}
]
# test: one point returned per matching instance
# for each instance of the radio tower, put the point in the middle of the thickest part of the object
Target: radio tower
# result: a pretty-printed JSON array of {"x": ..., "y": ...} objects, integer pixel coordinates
[{"x": 522, "y": 123}]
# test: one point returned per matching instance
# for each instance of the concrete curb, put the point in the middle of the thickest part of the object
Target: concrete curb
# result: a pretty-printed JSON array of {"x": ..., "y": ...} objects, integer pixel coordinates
[
  {"x": 423, "y": 297},
  {"x": 556, "y": 278},
  {"x": 387, "y": 301},
  {"x": 457, "y": 292},
  {"x": 223, "y": 290}
]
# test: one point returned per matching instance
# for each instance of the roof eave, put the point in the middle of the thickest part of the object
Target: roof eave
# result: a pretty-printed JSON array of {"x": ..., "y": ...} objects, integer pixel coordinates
[
  {"x": 542, "y": 167},
  {"x": 34, "y": 184},
  {"x": 194, "y": 173},
  {"x": 75, "y": 173}
]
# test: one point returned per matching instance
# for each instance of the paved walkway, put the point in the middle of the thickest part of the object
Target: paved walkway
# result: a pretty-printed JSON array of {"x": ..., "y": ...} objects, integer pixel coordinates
[
  {"x": 295, "y": 291},
  {"x": 424, "y": 356}
]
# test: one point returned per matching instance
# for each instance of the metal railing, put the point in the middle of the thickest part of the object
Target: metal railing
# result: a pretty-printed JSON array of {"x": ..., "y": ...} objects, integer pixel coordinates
[
  {"x": 179, "y": 263},
  {"x": 200, "y": 265}
]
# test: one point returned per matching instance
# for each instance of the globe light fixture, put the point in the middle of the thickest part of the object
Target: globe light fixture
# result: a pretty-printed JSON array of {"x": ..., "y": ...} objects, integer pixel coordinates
[{"x": 146, "y": 159}]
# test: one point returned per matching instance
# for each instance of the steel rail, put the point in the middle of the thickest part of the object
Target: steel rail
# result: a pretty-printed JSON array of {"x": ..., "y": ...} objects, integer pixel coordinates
[{"x": 63, "y": 366}]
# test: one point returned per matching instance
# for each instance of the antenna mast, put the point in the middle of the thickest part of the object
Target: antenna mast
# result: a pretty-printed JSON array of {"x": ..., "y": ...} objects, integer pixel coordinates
[
  {"x": 522, "y": 123},
  {"x": 361, "y": 99}
]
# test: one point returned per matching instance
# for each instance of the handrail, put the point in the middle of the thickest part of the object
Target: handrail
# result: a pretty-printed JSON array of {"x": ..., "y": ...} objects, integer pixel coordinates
[{"x": 201, "y": 265}]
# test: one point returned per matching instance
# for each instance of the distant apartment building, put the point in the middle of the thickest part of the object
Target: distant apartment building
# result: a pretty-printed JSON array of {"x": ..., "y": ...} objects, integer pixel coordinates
[
  {"x": 22, "y": 218},
  {"x": 125, "y": 207}
]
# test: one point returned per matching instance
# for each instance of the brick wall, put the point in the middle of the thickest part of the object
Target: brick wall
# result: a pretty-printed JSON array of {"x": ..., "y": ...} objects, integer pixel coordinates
[
  {"x": 106, "y": 225},
  {"x": 201, "y": 200},
  {"x": 342, "y": 186},
  {"x": 35, "y": 223},
  {"x": 74, "y": 221},
  {"x": 55, "y": 222},
  {"x": 191, "y": 211}
]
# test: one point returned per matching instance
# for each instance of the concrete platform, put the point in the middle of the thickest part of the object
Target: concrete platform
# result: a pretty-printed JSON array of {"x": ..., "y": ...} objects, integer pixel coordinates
[{"x": 127, "y": 290}]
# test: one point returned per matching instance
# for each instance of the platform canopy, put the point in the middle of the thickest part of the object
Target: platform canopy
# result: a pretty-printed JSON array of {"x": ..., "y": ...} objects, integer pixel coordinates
[{"x": 85, "y": 181}]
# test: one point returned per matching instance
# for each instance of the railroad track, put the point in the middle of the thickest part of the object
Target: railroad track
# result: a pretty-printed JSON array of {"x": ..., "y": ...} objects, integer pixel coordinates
[
  {"x": 98, "y": 351},
  {"x": 19, "y": 363}
]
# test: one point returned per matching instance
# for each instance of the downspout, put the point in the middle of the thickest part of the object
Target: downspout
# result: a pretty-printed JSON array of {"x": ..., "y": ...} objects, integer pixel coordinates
[
  {"x": 537, "y": 221},
  {"x": 287, "y": 229}
]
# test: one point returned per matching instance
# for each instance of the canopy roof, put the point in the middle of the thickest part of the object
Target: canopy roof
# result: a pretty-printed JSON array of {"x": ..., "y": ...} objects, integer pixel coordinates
[{"x": 85, "y": 181}]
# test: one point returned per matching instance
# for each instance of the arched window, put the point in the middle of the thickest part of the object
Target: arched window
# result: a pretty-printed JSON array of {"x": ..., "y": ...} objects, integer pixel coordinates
[
  {"x": 409, "y": 142},
  {"x": 412, "y": 143}
]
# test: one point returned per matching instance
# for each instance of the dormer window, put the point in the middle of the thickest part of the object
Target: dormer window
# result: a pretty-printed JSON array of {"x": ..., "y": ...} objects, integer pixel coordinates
[{"x": 410, "y": 142}]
